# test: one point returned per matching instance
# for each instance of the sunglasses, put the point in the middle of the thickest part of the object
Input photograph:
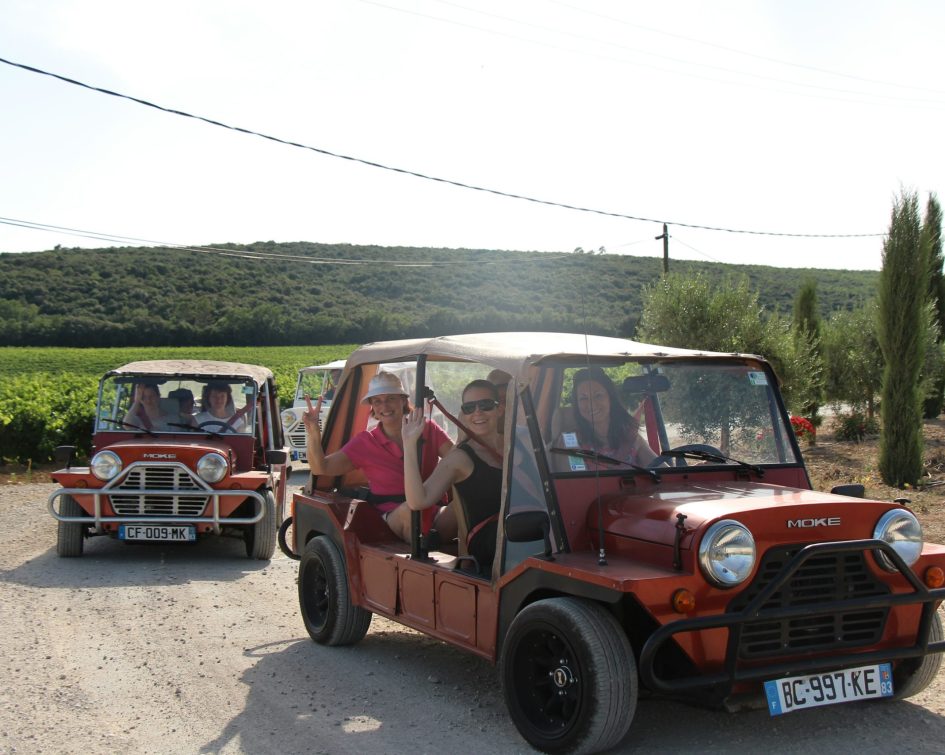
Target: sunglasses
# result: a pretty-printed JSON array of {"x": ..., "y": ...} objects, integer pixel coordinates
[{"x": 483, "y": 405}]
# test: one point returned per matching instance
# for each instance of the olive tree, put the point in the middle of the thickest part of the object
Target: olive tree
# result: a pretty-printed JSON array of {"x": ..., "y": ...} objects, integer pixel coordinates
[
  {"x": 852, "y": 359},
  {"x": 692, "y": 312}
]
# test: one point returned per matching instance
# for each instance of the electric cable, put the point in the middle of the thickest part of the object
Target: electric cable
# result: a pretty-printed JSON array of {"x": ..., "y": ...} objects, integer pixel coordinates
[{"x": 424, "y": 176}]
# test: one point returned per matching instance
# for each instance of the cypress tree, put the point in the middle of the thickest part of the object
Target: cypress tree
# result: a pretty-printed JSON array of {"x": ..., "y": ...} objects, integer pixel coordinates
[
  {"x": 903, "y": 294},
  {"x": 806, "y": 324},
  {"x": 932, "y": 239}
]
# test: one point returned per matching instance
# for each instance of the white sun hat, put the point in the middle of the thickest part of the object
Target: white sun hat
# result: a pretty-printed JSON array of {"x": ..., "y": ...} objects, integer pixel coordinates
[{"x": 384, "y": 383}]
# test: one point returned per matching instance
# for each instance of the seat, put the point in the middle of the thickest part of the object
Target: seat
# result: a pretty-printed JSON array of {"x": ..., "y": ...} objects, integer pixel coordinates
[{"x": 170, "y": 407}]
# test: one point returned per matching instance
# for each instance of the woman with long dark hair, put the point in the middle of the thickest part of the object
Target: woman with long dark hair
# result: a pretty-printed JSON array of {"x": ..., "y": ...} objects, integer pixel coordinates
[{"x": 603, "y": 424}]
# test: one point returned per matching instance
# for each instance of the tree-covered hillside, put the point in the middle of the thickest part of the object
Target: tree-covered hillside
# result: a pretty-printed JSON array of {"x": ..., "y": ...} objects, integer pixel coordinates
[{"x": 304, "y": 293}]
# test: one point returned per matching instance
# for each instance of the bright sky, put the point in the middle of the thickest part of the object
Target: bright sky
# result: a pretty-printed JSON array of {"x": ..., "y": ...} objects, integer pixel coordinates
[{"x": 800, "y": 117}]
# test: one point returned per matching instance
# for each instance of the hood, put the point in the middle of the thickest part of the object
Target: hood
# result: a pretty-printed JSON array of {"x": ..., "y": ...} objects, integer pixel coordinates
[
  {"x": 771, "y": 512},
  {"x": 186, "y": 452}
]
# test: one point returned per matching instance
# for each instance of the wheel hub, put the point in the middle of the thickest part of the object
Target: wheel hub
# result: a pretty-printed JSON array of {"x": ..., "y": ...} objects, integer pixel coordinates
[{"x": 562, "y": 676}]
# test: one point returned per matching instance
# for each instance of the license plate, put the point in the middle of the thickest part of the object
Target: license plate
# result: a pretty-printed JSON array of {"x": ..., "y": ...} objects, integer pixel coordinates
[
  {"x": 828, "y": 688},
  {"x": 165, "y": 532}
]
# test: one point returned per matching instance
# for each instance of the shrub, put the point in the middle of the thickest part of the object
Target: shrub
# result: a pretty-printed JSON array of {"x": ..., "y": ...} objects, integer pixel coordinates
[
  {"x": 804, "y": 429},
  {"x": 855, "y": 427}
]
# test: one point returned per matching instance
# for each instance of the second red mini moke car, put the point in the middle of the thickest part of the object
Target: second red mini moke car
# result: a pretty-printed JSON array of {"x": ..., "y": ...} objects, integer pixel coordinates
[
  {"x": 181, "y": 450},
  {"x": 711, "y": 573}
]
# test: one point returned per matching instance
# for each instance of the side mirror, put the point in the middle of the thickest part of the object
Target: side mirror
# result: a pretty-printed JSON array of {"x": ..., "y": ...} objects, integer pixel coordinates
[
  {"x": 853, "y": 490},
  {"x": 279, "y": 456},
  {"x": 63, "y": 455},
  {"x": 528, "y": 526}
]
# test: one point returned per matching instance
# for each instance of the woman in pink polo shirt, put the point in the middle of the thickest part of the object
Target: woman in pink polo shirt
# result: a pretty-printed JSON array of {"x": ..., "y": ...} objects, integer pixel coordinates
[{"x": 379, "y": 453}]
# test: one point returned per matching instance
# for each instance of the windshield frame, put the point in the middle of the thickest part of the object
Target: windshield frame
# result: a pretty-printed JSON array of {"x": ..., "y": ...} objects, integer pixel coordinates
[
  {"x": 113, "y": 404},
  {"x": 777, "y": 444}
]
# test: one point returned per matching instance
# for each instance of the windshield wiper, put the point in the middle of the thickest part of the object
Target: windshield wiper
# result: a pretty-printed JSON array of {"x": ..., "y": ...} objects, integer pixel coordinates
[
  {"x": 191, "y": 428},
  {"x": 589, "y": 453},
  {"x": 129, "y": 425},
  {"x": 720, "y": 458}
]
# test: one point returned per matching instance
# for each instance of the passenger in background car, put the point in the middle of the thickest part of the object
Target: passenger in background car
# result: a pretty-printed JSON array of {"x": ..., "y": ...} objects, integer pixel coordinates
[{"x": 145, "y": 409}]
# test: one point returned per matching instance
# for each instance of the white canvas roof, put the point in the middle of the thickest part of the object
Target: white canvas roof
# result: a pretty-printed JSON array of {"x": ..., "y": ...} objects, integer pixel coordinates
[
  {"x": 515, "y": 352},
  {"x": 196, "y": 367},
  {"x": 338, "y": 364}
]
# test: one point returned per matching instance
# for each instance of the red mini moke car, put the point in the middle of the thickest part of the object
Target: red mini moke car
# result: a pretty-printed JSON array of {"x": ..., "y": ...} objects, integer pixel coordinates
[
  {"x": 713, "y": 573},
  {"x": 181, "y": 450}
]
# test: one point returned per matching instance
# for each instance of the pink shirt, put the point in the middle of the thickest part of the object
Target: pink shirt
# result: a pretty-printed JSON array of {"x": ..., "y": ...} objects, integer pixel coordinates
[{"x": 382, "y": 460}]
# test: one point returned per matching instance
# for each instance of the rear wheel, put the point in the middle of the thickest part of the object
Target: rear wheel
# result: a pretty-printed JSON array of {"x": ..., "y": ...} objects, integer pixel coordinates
[
  {"x": 569, "y": 676},
  {"x": 260, "y": 538},
  {"x": 324, "y": 597},
  {"x": 71, "y": 535},
  {"x": 911, "y": 681}
]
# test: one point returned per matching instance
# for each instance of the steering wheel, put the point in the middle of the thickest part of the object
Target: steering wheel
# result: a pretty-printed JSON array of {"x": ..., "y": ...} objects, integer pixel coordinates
[
  {"x": 679, "y": 461},
  {"x": 207, "y": 424}
]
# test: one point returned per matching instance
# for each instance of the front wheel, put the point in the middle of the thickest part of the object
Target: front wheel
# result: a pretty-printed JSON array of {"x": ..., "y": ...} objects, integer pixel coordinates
[
  {"x": 260, "y": 538},
  {"x": 324, "y": 597},
  {"x": 569, "y": 676},
  {"x": 909, "y": 681},
  {"x": 71, "y": 535}
]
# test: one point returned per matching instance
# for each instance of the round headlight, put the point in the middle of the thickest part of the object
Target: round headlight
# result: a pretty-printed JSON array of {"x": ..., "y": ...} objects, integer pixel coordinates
[
  {"x": 212, "y": 467},
  {"x": 903, "y": 532},
  {"x": 105, "y": 465},
  {"x": 289, "y": 418},
  {"x": 727, "y": 553}
]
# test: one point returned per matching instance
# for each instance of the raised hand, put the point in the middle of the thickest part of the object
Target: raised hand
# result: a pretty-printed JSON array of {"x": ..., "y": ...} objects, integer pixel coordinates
[
  {"x": 413, "y": 426},
  {"x": 311, "y": 414}
]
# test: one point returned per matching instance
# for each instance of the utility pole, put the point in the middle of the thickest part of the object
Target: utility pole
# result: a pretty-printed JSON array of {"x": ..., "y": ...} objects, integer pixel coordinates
[{"x": 665, "y": 238}]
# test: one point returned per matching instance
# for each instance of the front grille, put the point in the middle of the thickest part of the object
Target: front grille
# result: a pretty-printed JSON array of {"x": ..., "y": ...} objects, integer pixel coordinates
[
  {"x": 298, "y": 437},
  {"x": 176, "y": 480},
  {"x": 824, "y": 580}
]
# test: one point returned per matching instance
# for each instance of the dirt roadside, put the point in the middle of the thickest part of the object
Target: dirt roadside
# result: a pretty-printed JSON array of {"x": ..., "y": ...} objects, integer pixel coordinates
[{"x": 158, "y": 649}]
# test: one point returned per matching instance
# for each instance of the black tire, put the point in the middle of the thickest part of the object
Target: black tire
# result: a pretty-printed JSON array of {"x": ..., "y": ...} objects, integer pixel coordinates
[
  {"x": 324, "y": 597},
  {"x": 71, "y": 535},
  {"x": 569, "y": 676},
  {"x": 284, "y": 540},
  {"x": 260, "y": 538},
  {"x": 911, "y": 681}
]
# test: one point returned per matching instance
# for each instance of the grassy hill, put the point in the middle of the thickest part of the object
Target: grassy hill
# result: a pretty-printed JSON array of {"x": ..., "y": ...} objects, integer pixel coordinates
[{"x": 305, "y": 293}]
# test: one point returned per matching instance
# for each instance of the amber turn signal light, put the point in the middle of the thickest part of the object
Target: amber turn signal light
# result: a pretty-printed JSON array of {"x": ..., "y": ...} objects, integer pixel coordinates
[
  {"x": 684, "y": 601},
  {"x": 934, "y": 577}
]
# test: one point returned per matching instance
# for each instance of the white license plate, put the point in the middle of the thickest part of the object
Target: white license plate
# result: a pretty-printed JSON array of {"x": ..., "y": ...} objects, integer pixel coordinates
[
  {"x": 828, "y": 688},
  {"x": 165, "y": 532}
]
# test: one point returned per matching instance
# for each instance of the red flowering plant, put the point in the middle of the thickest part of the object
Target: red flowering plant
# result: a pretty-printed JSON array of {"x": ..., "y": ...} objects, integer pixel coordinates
[{"x": 804, "y": 429}]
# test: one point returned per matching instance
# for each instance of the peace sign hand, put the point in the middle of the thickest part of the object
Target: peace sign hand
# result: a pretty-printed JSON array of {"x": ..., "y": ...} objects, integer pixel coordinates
[{"x": 312, "y": 414}]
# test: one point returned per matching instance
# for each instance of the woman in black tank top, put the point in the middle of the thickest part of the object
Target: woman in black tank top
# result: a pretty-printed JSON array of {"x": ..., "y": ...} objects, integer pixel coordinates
[{"x": 474, "y": 467}]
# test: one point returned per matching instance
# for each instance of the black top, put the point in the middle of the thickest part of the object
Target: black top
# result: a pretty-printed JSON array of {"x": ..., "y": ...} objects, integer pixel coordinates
[{"x": 480, "y": 495}]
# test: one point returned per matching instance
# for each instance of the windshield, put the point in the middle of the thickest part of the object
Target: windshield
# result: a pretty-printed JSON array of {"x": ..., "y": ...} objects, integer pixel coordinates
[
  {"x": 651, "y": 414},
  {"x": 176, "y": 404}
]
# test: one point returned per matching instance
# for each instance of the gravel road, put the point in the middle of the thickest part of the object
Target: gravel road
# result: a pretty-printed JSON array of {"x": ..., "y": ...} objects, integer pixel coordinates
[{"x": 184, "y": 649}]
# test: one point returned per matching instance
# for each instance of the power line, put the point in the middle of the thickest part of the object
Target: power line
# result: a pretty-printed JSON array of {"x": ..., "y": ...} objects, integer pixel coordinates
[
  {"x": 792, "y": 64},
  {"x": 255, "y": 254},
  {"x": 661, "y": 56},
  {"x": 688, "y": 74},
  {"x": 424, "y": 176}
]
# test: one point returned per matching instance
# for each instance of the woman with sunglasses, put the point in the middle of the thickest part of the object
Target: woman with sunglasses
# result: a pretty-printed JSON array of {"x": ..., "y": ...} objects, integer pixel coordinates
[{"x": 474, "y": 467}]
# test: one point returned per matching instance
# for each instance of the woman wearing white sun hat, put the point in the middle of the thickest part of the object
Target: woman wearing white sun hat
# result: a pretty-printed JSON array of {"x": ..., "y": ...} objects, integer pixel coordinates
[{"x": 379, "y": 453}]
